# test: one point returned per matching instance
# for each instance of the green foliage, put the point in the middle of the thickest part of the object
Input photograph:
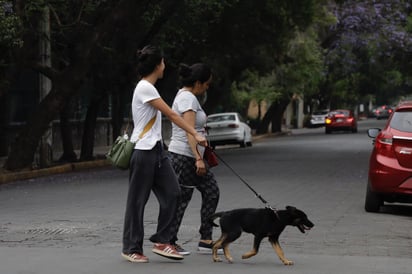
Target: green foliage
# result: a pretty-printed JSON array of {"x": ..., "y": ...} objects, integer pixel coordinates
[
  {"x": 299, "y": 74},
  {"x": 10, "y": 27},
  {"x": 394, "y": 77},
  {"x": 409, "y": 24},
  {"x": 253, "y": 86}
]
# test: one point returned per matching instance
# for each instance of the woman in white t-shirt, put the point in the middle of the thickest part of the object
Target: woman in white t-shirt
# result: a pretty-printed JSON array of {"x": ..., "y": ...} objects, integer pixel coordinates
[
  {"x": 150, "y": 168},
  {"x": 187, "y": 157}
]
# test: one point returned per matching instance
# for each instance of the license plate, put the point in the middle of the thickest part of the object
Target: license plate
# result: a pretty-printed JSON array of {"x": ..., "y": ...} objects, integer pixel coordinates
[{"x": 339, "y": 120}]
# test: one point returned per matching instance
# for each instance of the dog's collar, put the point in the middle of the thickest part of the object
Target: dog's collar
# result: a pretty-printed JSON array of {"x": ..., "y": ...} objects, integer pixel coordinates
[{"x": 274, "y": 210}]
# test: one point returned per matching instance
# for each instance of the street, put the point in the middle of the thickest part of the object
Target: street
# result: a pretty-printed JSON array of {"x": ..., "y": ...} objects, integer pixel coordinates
[{"x": 72, "y": 223}]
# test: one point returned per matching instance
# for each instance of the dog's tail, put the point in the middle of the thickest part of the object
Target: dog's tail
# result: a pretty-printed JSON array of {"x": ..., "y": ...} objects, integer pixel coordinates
[{"x": 215, "y": 216}]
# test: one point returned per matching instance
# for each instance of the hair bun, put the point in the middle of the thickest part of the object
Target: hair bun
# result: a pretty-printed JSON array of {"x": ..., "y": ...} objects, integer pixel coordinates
[
  {"x": 140, "y": 54},
  {"x": 185, "y": 70}
]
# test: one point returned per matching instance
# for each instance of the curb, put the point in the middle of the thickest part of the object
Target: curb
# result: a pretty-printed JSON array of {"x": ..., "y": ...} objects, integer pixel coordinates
[{"x": 8, "y": 177}]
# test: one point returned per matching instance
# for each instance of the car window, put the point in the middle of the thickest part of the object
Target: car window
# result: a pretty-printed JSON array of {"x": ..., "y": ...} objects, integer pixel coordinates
[
  {"x": 320, "y": 112},
  {"x": 345, "y": 113},
  {"x": 221, "y": 118},
  {"x": 402, "y": 121}
]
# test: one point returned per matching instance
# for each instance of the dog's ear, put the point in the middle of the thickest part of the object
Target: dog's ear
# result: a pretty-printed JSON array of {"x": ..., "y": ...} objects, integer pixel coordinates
[{"x": 290, "y": 208}]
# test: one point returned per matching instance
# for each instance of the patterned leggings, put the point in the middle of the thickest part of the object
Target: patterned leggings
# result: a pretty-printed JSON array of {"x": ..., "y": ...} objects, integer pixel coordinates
[{"x": 185, "y": 168}]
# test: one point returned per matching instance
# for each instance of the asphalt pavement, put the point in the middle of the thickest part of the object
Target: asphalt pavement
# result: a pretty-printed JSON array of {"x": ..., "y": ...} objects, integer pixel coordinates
[{"x": 72, "y": 222}]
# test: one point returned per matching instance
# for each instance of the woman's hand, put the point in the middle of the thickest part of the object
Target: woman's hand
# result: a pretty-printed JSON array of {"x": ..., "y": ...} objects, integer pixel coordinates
[
  {"x": 200, "y": 167},
  {"x": 201, "y": 140}
]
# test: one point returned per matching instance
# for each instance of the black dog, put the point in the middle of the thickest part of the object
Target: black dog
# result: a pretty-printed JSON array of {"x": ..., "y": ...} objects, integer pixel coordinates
[{"x": 261, "y": 222}]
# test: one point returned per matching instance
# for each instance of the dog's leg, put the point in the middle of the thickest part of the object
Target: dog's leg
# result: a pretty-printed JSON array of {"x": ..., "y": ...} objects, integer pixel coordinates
[
  {"x": 226, "y": 251},
  {"x": 249, "y": 254},
  {"x": 231, "y": 237},
  {"x": 279, "y": 251},
  {"x": 255, "y": 249},
  {"x": 216, "y": 246}
]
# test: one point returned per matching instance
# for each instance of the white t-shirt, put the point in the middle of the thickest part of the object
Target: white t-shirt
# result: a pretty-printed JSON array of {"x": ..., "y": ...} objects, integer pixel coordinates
[
  {"x": 185, "y": 101},
  {"x": 142, "y": 113}
]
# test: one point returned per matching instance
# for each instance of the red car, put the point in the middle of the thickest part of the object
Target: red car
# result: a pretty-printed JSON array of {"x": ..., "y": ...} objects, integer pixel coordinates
[
  {"x": 340, "y": 119},
  {"x": 383, "y": 112},
  {"x": 390, "y": 164}
]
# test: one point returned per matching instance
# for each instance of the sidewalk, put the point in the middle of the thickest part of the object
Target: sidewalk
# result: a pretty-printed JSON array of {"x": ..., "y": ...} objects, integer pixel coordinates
[{"x": 7, "y": 176}]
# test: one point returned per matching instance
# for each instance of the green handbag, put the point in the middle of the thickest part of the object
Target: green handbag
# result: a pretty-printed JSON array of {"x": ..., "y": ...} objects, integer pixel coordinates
[{"x": 121, "y": 150}]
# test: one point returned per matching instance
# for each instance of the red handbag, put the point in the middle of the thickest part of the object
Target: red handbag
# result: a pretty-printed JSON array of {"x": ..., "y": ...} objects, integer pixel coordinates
[{"x": 210, "y": 157}]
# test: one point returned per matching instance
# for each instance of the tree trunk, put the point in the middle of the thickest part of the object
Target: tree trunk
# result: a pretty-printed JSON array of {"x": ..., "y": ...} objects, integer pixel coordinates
[
  {"x": 273, "y": 115},
  {"x": 89, "y": 128},
  {"x": 25, "y": 144},
  {"x": 66, "y": 136}
]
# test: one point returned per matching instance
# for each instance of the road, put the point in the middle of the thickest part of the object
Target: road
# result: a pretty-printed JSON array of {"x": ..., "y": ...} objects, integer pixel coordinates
[{"x": 72, "y": 223}]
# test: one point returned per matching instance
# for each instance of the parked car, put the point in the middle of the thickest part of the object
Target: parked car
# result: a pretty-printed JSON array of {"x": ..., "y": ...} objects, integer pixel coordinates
[
  {"x": 383, "y": 112},
  {"x": 318, "y": 118},
  {"x": 228, "y": 128},
  {"x": 340, "y": 119},
  {"x": 390, "y": 163}
]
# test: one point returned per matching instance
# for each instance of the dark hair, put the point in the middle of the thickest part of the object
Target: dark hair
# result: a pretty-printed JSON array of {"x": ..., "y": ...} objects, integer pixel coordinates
[
  {"x": 147, "y": 60},
  {"x": 196, "y": 72}
]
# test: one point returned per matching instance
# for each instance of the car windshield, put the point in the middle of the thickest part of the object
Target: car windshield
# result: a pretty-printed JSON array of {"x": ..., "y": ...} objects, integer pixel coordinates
[
  {"x": 320, "y": 112},
  {"x": 220, "y": 118},
  {"x": 402, "y": 121}
]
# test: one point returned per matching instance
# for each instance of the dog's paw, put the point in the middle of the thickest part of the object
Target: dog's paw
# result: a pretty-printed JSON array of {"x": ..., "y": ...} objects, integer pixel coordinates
[
  {"x": 248, "y": 255},
  {"x": 230, "y": 260},
  {"x": 217, "y": 259},
  {"x": 287, "y": 262}
]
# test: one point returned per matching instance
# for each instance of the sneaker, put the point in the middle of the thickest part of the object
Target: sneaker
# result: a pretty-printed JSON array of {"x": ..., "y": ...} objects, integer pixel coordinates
[
  {"x": 181, "y": 250},
  {"x": 205, "y": 248},
  {"x": 167, "y": 250},
  {"x": 135, "y": 258}
]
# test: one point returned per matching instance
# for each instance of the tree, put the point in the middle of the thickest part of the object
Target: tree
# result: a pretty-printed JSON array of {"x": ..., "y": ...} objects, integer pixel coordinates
[
  {"x": 9, "y": 39},
  {"x": 90, "y": 38},
  {"x": 88, "y": 26},
  {"x": 299, "y": 72},
  {"x": 368, "y": 52}
]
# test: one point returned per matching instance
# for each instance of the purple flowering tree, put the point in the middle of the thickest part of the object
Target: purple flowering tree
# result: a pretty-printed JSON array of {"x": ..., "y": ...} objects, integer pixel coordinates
[{"x": 368, "y": 52}]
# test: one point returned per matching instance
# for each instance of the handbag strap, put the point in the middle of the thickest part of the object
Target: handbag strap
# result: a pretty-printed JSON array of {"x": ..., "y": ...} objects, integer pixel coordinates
[{"x": 148, "y": 126}]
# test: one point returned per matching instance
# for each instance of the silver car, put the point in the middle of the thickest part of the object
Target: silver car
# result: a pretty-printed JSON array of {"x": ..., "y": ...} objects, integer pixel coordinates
[
  {"x": 318, "y": 118},
  {"x": 228, "y": 128}
]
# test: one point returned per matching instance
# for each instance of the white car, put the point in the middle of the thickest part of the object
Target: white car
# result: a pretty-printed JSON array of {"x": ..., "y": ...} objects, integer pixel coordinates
[
  {"x": 228, "y": 128},
  {"x": 318, "y": 118}
]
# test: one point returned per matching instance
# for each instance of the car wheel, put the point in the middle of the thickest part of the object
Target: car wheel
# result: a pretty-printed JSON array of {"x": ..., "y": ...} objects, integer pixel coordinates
[
  {"x": 354, "y": 130},
  {"x": 328, "y": 131},
  {"x": 373, "y": 201},
  {"x": 243, "y": 142}
]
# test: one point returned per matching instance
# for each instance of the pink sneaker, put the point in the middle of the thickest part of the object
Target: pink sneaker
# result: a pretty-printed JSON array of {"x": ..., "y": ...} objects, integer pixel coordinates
[{"x": 167, "y": 250}]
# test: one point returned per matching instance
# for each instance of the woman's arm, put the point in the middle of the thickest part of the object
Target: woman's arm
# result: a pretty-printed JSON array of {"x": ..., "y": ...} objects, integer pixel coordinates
[
  {"x": 190, "y": 118},
  {"x": 161, "y": 105}
]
